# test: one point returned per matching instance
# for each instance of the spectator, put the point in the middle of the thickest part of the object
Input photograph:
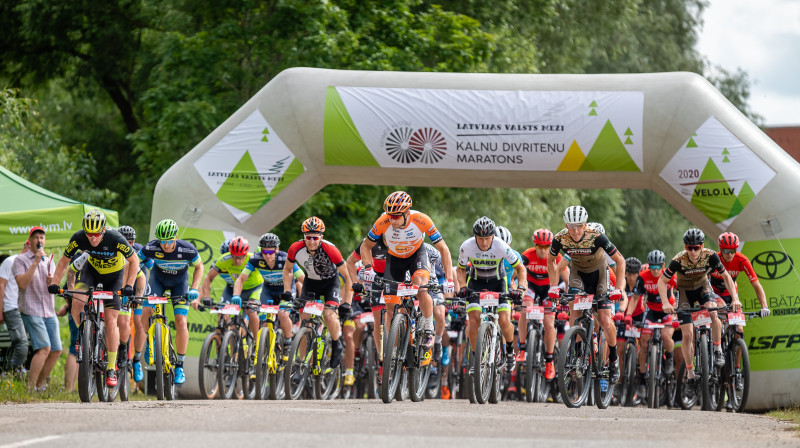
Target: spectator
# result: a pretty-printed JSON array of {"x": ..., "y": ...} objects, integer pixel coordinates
[
  {"x": 9, "y": 313},
  {"x": 37, "y": 308}
]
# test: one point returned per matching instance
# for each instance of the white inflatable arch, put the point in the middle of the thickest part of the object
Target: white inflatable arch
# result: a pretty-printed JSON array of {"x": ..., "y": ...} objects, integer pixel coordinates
[{"x": 673, "y": 133}]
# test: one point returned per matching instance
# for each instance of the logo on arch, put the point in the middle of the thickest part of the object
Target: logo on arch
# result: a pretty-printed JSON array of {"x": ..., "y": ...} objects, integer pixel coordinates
[{"x": 408, "y": 145}]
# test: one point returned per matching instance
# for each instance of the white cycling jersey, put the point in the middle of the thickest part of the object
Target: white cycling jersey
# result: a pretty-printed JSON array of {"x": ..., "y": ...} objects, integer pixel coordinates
[{"x": 486, "y": 264}]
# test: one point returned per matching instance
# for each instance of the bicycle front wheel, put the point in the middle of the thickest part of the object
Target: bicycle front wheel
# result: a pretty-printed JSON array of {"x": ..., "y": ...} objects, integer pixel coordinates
[
  {"x": 298, "y": 367},
  {"x": 572, "y": 370},
  {"x": 704, "y": 361},
  {"x": 158, "y": 362},
  {"x": 369, "y": 354},
  {"x": 277, "y": 390},
  {"x": 208, "y": 366},
  {"x": 227, "y": 366},
  {"x": 739, "y": 379},
  {"x": 393, "y": 348},
  {"x": 483, "y": 363},
  {"x": 626, "y": 388},
  {"x": 104, "y": 393},
  {"x": 86, "y": 385},
  {"x": 530, "y": 381},
  {"x": 653, "y": 359},
  {"x": 329, "y": 380},
  {"x": 603, "y": 389},
  {"x": 261, "y": 367}
]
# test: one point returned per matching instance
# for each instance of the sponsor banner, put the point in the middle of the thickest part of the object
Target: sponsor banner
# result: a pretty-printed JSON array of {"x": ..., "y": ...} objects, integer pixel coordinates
[
  {"x": 717, "y": 173},
  {"x": 773, "y": 343},
  {"x": 484, "y": 129},
  {"x": 249, "y": 166},
  {"x": 59, "y": 225}
]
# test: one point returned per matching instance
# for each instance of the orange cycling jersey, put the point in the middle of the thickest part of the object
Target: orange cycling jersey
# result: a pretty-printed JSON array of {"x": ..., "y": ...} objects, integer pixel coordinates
[{"x": 404, "y": 242}]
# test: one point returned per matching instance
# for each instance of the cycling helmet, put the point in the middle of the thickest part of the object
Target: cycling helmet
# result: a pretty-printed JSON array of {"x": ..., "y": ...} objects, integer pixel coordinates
[
  {"x": 127, "y": 232},
  {"x": 225, "y": 246},
  {"x": 656, "y": 257},
  {"x": 239, "y": 246},
  {"x": 575, "y": 215},
  {"x": 503, "y": 233},
  {"x": 633, "y": 265},
  {"x": 728, "y": 240},
  {"x": 597, "y": 226},
  {"x": 542, "y": 237},
  {"x": 94, "y": 221},
  {"x": 694, "y": 237},
  {"x": 313, "y": 225},
  {"x": 269, "y": 240},
  {"x": 483, "y": 227},
  {"x": 166, "y": 230},
  {"x": 397, "y": 202}
]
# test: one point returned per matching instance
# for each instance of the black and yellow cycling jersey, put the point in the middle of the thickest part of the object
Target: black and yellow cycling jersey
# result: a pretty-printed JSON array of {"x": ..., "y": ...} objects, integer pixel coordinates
[{"x": 108, "y": 256}]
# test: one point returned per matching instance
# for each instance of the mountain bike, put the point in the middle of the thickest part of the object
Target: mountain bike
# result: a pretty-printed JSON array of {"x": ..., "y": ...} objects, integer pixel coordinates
[
  {"x": 490, "y": 357},
  {"x": 708, "y": 389},
  {"x": 537, "y": 388},
  {"x": 237, "y": 351},
  {"x": 162, "y": 351},
  {"x": 457, "y": 340},
  {"x": 660, "y": 387},
  {"x": 579, "y": 365},
  {"x": 208, "y": 365},
  {"x": 269, "y": 356},
  {"x": 366, "y": 359},
  {"x": 736, "y": 373},
  {"x": 403, "y": 353},
  {"x": 310, "y": 355},
  {"x": 626, "y": 389}
]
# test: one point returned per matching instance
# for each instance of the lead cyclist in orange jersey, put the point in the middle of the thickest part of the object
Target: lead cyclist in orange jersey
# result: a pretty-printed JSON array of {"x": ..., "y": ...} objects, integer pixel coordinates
[{"x": 403, "y": 231}]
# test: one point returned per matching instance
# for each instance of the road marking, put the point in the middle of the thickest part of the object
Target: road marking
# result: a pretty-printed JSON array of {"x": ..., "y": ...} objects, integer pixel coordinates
[{"x": 30, "y": 442}]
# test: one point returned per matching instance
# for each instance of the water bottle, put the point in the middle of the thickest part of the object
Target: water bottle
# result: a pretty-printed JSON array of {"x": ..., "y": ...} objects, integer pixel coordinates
[{"x": 594, "y": 341}]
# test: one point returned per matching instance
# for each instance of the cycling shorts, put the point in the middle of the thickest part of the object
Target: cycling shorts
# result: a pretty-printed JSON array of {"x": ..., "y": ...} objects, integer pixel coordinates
[
  {"x": 595, "y": 282},
  {"x": 112, "y": 281},
  {"x": 657, "y": 317},
  {"x": 415, "y": 265},
  {"x": 493, "y": 285},
  {"x": 540, "y": 297},
  {"x": 693, "y": 298},
  {"x": 326, "y": 290}
]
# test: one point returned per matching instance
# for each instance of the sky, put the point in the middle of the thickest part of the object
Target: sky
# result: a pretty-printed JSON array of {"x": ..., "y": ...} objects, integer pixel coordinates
[{"x": 763, "y": 39}]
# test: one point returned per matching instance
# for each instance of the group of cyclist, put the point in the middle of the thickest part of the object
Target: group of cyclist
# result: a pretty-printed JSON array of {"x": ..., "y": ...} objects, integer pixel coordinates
[{"x": 578, "y": 258}]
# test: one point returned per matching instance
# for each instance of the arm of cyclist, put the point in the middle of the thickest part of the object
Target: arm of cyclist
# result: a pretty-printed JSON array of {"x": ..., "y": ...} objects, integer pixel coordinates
[
  {"x": 620, "y": 270},
  {"x": 348, "y": 292},
  {"x": 447, "y": 261},
  {"x": 197, "y": 277},
  {"x": 299, "y": 278},
  {"x": 287, "y": 276},
  {"x": 59, "y": 274},
  {"x": 662, "y": 292},
  {"x": 736, "y": 305},
  {"x": 350, "y": 264},
  {"x": 205, "y": 289}
]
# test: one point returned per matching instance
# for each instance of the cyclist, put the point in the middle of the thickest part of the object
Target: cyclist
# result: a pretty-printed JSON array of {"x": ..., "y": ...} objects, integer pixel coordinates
[
  {"x": 535, "y": 261},
  {"x": 587, "y": 249},
  {"x": 170, "y": 258},
  {"x": 323, "y": 264},
  {"x": 108, "y": 250},
  {"x": 735, "y": 262},
  {"x": 403, "y": 231},
  {"x": 141, "y": 335},
  {"x": 439, "y": 309},
  {"x": 505, "y": 235},
  {"x": 692, "y": 267},
  {"x": 269, "y": 262},
  {"x": 486, "y": 254}
]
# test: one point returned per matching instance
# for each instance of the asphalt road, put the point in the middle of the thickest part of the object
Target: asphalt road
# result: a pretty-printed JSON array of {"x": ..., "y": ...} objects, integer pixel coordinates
[{"x": 361, "y": 423}]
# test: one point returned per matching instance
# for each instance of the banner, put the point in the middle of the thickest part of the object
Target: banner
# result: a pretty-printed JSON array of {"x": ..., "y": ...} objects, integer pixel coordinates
[
  {"x": 248, "y": 166},
  {"x": 773, "y": 342},
  {"x": 484, "y": 129},
  {"x": 717, "y": 173}
]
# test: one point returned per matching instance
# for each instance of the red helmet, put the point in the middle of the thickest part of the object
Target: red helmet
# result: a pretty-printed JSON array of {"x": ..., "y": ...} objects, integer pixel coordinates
[
  {"x": 313, "y": 225},
  {"x": 397, "y": 202},
  {"x": 239, "y": 246},
  {"x": 728, "y": 240},
  {"x": 543, "y": 237}
]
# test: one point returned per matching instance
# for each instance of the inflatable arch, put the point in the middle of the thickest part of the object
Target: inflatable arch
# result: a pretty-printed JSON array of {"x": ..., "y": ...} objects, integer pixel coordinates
[{"x": 672, "y": 133}]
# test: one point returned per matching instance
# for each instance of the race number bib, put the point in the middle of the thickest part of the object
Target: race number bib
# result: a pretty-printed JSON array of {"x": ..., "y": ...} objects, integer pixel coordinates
[
  {"x": 269, "y": 309},
  {"x": 314, "y": 308},
  {"x": 701, "y": 318},
  {"x": 103, "y": 295},
  {"x": 736, "y": 319},
  {"x": 536, "y": 313},
  {"x": 404, "y": 290},
  {"x": 489, "y": 298},
  {"x": 367, "y": 318},
  {"x": 157, "y": 300},
  {"x": 632, "y": 331},
  {"x": 583, "y": 302},
  {"x": 227, "y": 310}
]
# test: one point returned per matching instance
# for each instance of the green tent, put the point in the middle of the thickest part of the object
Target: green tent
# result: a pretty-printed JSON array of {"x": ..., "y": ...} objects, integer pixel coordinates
[{"x": 25, "y": 205}]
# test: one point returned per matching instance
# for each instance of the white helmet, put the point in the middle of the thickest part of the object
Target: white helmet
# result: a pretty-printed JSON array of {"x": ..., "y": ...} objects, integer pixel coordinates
[
  {"x": 597, "y": 226},
  {"x": 503, "y": 233},
  {"x": 575, "y": 215}
]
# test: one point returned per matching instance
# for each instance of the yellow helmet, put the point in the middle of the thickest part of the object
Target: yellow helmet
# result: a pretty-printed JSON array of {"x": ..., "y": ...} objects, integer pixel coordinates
[{"x": 94, "y": 221}]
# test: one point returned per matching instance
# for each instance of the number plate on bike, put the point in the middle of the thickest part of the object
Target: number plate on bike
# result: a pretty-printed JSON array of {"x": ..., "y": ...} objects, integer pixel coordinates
[
  {"x": 654, "y": 325},
  {"x": 227, "y": 309},
  {"x": 314, "y": 308},
  {"x": 631, "y": 331},
  {"x": 270, "y": 309},
  {"x": 452, "y": 334},
  {"x": 407, "y": 290},
  {"x": 583, "y": 302},
  {"x": 157, "y": 300},
  {"x": 701, "y": 318},
  {"x": 736, "y": 319},
  {"x": 536, "y": 313},
  {"x": 367, "y": 318},
  {"x": 489, "y": 298},
  {"x": 103, "y": 295}
]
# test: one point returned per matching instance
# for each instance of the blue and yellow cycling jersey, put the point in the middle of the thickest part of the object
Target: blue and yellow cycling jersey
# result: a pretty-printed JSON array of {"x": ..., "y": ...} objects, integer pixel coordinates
[
  {"x": 273, "y": 276},
  {"x": 169, "y": 263}
]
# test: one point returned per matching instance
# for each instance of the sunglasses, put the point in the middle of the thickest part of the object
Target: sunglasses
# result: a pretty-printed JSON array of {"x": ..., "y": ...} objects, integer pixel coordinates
[
  {"x": 728, "y": 251},
  {"x": 542, "y": 246},
  {"x": 396, "y": 217},
  {"x": 94, "y": 235},
  {"x": 312, "y": 238},
  {"x": 574, "y": 226},
  {"x": 268, "y": 251},
  {"x": 166, "y": 242},
  {"x": 655, "y": 267},
  {"x": 693, "y": 248}
]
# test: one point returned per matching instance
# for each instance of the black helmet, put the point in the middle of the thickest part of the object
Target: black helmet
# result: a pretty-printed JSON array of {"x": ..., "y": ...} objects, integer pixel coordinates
[
  {"x": 483, "y": 227},
  {"x": 656, "y": 257},
  {"x": 694, "y": 237},
  {"x": 269, "y": 240},
  {"x": 633, "y": 265},
  {"x": 128, "y": 232}
]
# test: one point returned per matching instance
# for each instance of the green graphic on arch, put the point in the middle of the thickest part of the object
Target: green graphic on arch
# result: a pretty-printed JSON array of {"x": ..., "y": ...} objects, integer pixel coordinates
[
  {"x": 243, "y": 189},
  {"x": 608, "y": 153},
  {"x": 714, "y": 197},
  {"x": 342, "y": 142}
]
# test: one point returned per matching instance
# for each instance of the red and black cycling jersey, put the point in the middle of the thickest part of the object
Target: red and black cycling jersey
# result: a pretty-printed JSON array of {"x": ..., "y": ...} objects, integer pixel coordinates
[
  {"x": 647, "y": 285},
  {"x": 536, "y": 267},
  {"x": 740, "y": 263},
  {"x": 585, "y": 253},
  {"x": 693, "y": 276},
  {"x": 379, "y": 252},
  {"x": 321, "y": 265}
]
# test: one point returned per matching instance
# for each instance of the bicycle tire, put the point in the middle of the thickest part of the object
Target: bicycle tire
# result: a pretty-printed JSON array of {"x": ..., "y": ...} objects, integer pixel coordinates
[
  {"x": 371, "y": 363},
  {"x": 158, "y": 361},
  {"x": 742, "y": 372},
  {"x": 531, "y": 381},
  {"x": 104, "y": 393},
  {"x": 652, "y": 377},
  {"x": 402, "y": 389},
  {"x": 246, "y": 367},
  {"x": 469, "y": 382},
  {"x": 602, "y": 398},
  {"x": 685, "y": 401},
  {"x": 86, "y": 385},
  {"x": 123, "y": 384},
  {"x": 573, "y": 384},
  {"x": 170, "y": 389},
  {"x": 227, "y": 369},
  {"x": 207, "y": 366},
  {"x": 328, "y": 382},
  {"x": 261, "y": 367},
  {"x": 277, "y": 390},
  {"x": 626, "y": 387},
  {"x": 482, "y": 379},
  {"x": 393, "y": 368},
  {"x": 498, "y": 372},
  {"x": 434, "y": 384},
  {"x": 418, "y": 375},
  {"x": 297, "y": 368},
  {"x": 704, "y": 360}
]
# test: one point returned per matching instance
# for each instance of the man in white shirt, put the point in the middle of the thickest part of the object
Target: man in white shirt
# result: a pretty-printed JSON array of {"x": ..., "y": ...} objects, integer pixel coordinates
[{"x": 9, "y": 313}]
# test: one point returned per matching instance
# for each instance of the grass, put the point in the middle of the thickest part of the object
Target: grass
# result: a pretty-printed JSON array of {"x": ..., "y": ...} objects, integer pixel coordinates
[{"x": 788, "y": 414}]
